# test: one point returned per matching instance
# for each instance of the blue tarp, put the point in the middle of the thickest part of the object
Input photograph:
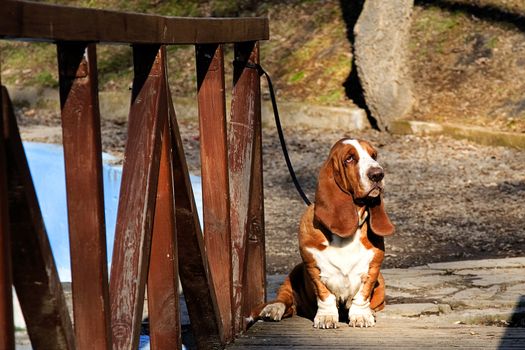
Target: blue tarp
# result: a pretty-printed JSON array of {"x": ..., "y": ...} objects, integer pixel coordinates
[{"x": 46, "y": 163}]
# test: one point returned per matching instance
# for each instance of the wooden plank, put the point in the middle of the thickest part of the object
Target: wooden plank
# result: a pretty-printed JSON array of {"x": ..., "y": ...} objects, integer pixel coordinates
[
  {"x": 7, "y": 331},
  {"x": 35, "y": 275},
  {"x": 242, "y": 136},
  {"x": 29, "y": 20},
  {"x": 214, "y": 172},
  {"x": 297, "y": 333},
  {"x": 197, "y": 282},
  {"x": 85, "y": 198},
  {"x": 137, "y": 196},
  {"x": 163, "y": 277},
  {"x": 254, "y": 285}
]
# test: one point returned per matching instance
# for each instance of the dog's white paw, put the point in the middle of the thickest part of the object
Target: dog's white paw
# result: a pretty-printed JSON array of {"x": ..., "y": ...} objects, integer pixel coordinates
[
  {"x": 326, "y": 321},
  {"x": 327, "y": 315},
  {"x": 273, "y": 312},
  {"x": 361, "y": 316}
]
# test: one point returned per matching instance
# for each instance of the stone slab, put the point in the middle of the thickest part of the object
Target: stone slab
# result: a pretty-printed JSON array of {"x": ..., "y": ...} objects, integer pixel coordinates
[
  {"x": 489, "y": 277},
  {"x": 411, "y": 310},
  {"x": 420, "y": 279},
  {"x": 479, "y": 264}
]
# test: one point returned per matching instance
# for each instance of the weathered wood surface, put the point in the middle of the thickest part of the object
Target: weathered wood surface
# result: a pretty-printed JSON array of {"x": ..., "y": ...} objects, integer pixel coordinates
[
  {"x": 35, "y": 276},
  {"x": 214, "y": 172},
  {"x": 138, "y": 192},
  {"x": 21, "y": 19},
  {"x": 244, "y": 183},
  {"x": 85, "y": 198},
  {"x": 7, "y": 335},
  {"x": 163, "y": 277},
  {"x": 254, "y": 285},
  {"x": 297, "y": 333},
  {"x": 194, "y": 273}
]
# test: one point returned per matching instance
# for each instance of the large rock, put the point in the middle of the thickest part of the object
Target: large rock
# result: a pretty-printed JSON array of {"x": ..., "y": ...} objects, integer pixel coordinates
[{"x": 381, "y": 50}]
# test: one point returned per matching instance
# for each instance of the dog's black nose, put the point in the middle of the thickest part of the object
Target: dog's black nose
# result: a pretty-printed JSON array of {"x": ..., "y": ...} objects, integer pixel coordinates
[{"x": 375, "y": 174}]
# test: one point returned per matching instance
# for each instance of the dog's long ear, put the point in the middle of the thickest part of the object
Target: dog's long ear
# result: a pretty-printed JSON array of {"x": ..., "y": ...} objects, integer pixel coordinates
[
  {"x": 380, "y": 223},
  {"x": 334, "y": 208}
]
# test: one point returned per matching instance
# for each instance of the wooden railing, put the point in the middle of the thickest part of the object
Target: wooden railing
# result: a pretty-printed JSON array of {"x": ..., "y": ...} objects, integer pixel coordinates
[{"x": 158, "y": 237}]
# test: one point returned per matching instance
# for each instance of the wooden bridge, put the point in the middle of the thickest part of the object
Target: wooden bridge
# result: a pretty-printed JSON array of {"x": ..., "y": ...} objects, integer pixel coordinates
[
  {"x": 389, "y": 333},
  {"x": 158, "y": 237}
]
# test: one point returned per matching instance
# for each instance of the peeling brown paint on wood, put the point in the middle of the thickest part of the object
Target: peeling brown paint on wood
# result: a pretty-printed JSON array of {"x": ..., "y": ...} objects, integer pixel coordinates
[
  {"x": 48, "y": 22},
  {"x": 163, "y": 278},
  {"x": 255, "y": 266},
  {"x": 137, "y": 195},
  {"x": 83, "y": 164},
  {"x": 214, "y": 172},
  {"x": 208, "y": 271},
  {"x": 197, "y": 282},
  {"x": 245, "y": 119},
  {"x": 35, "y": 276}
]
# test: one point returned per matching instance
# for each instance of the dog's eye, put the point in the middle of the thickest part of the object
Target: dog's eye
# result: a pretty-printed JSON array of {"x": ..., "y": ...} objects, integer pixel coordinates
[
  {"x": 374, "y": 156},
  {"x": 349, "y": 160}
]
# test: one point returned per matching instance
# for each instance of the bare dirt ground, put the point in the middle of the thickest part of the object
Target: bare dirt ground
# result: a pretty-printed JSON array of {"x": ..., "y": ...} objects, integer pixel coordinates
[
  {"x": 466, "y": 58},
  {"x": 450, "y": 199}
]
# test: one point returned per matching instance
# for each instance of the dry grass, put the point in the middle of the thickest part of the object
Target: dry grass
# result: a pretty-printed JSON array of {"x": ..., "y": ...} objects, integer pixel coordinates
[{"x": 467, "y": 69}]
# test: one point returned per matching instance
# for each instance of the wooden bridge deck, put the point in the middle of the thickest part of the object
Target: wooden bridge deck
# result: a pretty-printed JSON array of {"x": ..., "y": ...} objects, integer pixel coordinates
[{"x": 297, "y": 333}]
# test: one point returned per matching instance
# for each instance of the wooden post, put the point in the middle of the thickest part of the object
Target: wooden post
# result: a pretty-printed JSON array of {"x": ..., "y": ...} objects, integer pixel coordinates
[
  {"x": 35, "y": 276},
  {"x": 245, "y": 185},
  {"x": 197, "y": 282},
  {"x": 214, "y": 172},
  {"x": 163, "y": 277},
  {"x": 7, "y": 331},
  {"x": 137, "y": 195},
  {"x": 85, "y": 199},
  {"x": 254, "y": 285}
]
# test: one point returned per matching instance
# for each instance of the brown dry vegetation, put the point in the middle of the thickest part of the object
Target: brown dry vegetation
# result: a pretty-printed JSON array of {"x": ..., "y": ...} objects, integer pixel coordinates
[
  {"x": 467, "y": 56},
  {"x": 468, "y": 69}
]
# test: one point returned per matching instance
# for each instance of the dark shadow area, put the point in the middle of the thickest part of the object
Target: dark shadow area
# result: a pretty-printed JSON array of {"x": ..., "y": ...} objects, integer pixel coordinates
[
  {"x": 308, "y": 182},
  {"x": 205, "y": 56},
  {"x": 188, "y": 340},
  {"x": 486, "y": 224},
  {"x": 351, "y": 9},
  {"x": 488, "y": 13},
  {"x": 514, "y": 337},
  {"x": 143, "y": 61}
]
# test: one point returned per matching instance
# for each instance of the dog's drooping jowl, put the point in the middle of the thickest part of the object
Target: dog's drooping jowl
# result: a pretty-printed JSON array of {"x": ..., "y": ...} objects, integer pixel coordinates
[{"x": 341, "y": 244}]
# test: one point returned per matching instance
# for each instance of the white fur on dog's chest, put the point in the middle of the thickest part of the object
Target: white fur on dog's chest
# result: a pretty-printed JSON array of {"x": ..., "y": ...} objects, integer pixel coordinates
[{"x": 342, "y": 263}]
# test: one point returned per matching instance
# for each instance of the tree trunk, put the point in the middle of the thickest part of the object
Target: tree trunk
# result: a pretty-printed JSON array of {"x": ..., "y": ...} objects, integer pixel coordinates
[{"x": 381, "y": 37}]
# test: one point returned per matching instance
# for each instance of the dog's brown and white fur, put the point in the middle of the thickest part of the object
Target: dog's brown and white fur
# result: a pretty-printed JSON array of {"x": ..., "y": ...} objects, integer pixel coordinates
[{"x": 341, "y": 244}]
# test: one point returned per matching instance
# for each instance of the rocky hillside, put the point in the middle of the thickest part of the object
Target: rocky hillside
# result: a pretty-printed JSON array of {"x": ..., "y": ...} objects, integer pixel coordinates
[{"x": 467, "y": 56}]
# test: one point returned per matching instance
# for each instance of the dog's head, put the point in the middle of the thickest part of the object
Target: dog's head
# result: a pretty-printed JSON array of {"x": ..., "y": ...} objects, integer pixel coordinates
[{"x": 351, "y": 176}]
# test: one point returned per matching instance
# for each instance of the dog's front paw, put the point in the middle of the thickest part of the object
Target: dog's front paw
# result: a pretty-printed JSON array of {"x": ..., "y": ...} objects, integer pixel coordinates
[
  {"x": 273, "y": 312},
  {"x": 327, "y": 314},
  {"x": 361, "y": 316},
  {"x": 326, "y": 321}
]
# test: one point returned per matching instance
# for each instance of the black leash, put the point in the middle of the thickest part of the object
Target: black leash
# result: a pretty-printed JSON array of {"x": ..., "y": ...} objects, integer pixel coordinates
[{"x": 280, "y": 131}]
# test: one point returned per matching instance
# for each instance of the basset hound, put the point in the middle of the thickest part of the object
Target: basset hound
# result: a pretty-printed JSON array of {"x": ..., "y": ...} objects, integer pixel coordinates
[{"x": 341, "y": 245}]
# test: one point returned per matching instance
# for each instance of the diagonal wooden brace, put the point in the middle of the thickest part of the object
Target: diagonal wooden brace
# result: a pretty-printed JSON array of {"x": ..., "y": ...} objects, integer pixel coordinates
[
  {"x": 137, "y": 195},
  {"x": 7, "y": 331},
  {"x": 35, "y": 275},
  {"x": 163, "y": 277}
]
